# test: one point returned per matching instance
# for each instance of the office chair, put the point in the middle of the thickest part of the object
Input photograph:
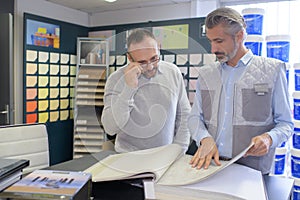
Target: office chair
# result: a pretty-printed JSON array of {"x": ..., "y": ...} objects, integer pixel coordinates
[{"x": 25, "y": 142}]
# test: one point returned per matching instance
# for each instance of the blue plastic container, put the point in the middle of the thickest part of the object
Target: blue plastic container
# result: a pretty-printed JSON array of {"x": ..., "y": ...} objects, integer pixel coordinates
[
  {"x": 295, "y": 163},
  {"x": 279, "y": 161},
  {"x": 254, "y": 42},
  {"x": 254, "y": 20},
  {"x": 278, "y": 46},
  {"x": 296, "y": 189},
  {"x": 296, "y": 98},
  {"x": 296, "y": 135},
  {"x": 296, "y": 68}
]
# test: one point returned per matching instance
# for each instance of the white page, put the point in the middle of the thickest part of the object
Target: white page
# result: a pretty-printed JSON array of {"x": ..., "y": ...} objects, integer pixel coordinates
[
  {"x": 122, "y": 166},
  {"x": 181, "y": 172},
  {"x": 163, "y": 192},
  {"x": 237, "y": 180}
]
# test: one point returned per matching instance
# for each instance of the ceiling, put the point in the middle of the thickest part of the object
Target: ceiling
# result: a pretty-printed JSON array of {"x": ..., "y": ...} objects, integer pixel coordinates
[{"x": 97, "y": 6}]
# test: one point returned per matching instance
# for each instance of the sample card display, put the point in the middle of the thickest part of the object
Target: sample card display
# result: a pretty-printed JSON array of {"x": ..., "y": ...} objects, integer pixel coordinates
[{"x": 49, "y": 86}]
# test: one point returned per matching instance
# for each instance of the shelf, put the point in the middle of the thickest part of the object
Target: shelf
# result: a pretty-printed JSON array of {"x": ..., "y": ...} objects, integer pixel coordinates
[
  {"x": 86, "y": 96},
  {"x": 81, "y": 82},
  {"x": 90, "y": 90},
  {"x": 89, "y": 135},
  {"x": 89, "y": 103},
  {"x": 93, "y": 65}
]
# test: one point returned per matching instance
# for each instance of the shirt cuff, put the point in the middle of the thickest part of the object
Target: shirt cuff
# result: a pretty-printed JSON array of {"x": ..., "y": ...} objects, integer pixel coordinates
[{"x": 274, "y": 141}]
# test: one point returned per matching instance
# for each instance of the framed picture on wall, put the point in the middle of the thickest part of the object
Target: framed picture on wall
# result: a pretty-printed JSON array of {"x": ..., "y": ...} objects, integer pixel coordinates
[{"x": 42, "y": 34}]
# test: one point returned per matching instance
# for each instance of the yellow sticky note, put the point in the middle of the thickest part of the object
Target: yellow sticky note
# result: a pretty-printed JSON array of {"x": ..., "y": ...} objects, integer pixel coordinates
[
  {"x": 43, "y": 117},
  {"x": 64, "y": 103},
  {"x": 43, "y": 81},
  {"x": 54, "y": 69},
  {"x": 64, "y": 81},
  {"x": 64, "y": 69},
  {"x": 43, "y": 105},
  {"x": 54, "y": 104},
  {"x": 64, "y": 114},
  {"x": 43, "y": 68},
  {"x": 64, "y": 92},
  {"x": 43, "y": 93},
  {"x": 73, "y": 70},
  {"x": 31, "y": 68},
  {"x": 31, "y": 55},
  {"x": 54, "y": 92},
  {"x": 54, "y": 81},
  {"x": 31, "y": 81},
  {"x": 54, "y": 116}
]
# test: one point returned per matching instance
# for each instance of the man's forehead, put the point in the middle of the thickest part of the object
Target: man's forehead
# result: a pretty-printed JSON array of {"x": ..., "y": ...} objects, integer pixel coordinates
[
  {"x": 132, "y": 50},
  {"x": 146, "y": 44}
]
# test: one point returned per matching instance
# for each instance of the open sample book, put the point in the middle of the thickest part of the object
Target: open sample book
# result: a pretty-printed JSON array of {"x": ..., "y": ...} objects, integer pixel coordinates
[{"x": 166, "y": 165}]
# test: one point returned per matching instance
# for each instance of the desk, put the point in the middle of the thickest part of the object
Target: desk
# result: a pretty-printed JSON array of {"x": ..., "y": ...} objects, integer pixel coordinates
[{"x": 278, "y": 188}]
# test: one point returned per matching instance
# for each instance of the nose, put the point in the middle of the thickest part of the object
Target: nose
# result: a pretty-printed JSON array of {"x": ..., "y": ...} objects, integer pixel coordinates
[
  {"x": 213, "y": 48},
  {"x": 149, "y": 66}
]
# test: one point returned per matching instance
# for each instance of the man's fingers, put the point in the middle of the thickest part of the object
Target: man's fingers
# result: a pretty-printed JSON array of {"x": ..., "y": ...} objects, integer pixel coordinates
[
  {"x": 217, "y": 159},
  {"x": 207, "y": 161}
]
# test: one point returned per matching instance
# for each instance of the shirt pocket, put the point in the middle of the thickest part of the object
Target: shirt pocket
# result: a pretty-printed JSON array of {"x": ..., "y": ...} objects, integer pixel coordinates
[{"x": 256, "y": 107}]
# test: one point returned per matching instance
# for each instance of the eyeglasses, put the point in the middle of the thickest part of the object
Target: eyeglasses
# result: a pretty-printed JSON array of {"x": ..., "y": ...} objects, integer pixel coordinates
[
  {"x": 145, "y": 64},
  {"x": 152, "y": 62}
]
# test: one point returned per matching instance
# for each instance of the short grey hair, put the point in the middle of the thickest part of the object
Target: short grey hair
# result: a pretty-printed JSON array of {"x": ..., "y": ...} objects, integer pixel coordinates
[
  {"x": 138, "y": 35},
  {"x": 232, "y": 20}
]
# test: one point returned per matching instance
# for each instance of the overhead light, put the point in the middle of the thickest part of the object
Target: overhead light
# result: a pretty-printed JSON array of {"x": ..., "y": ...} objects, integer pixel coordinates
[{"x": 110, "y": 0}]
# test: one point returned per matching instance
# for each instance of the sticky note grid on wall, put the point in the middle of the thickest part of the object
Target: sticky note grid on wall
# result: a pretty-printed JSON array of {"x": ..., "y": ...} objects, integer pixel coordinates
[{"x": 48, "y": 86}]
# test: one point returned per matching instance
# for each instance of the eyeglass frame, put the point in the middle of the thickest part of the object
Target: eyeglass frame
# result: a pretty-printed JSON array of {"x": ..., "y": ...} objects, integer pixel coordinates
[{"x": 145, "y": 65}]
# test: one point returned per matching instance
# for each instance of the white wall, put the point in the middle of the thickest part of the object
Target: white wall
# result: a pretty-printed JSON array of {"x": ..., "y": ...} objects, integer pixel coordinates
[
  {"x": 127, "y": 16},
  {"x": 41, "y": 8},
  {"x": 196, "y": 8}
]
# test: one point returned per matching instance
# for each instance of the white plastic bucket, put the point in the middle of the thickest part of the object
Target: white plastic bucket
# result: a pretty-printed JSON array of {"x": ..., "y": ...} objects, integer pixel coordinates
[
  {"x": 296, "y": 135},
  {"x": 279, "y": 160},
  {"x": 254, "y": 42},
  {"x": 254, "y": 20},
  {"x": 295, "y": 163},
  {"x": 296, "y": 67},
  {"x": 278, "y": 46},
  {"x": 296, "y": 189},
  {"x": 296, "y": 99}
]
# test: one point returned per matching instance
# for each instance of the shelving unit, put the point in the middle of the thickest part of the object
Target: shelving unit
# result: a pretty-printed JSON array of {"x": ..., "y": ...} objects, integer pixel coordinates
[{"x": 92, "y": 72}]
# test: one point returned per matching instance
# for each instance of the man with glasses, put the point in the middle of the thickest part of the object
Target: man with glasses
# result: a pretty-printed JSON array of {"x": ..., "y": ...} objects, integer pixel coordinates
[
  {"x": 240, "y": 99},
  {"x": 145, "y": 102}
]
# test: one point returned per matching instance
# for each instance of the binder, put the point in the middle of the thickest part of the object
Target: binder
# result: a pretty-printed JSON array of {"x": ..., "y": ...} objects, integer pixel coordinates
[{"x": 11, "y": 171}]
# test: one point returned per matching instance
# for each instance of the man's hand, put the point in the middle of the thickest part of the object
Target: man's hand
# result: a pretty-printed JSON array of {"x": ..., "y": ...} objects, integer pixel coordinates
[
  {"x": 261, "y": 145},
  {"x": 207, "y": 150},
  {"x": 132, "y": 72}
]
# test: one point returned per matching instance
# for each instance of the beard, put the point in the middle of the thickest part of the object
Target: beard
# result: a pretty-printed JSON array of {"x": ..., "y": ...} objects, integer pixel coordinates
[
  {"x": 223, "y": 57},
  {"x": 149, "y": 73}
]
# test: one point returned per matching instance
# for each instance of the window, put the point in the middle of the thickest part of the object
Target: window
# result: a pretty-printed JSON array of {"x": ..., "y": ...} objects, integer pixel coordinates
[{"x": 280, "y": 19}]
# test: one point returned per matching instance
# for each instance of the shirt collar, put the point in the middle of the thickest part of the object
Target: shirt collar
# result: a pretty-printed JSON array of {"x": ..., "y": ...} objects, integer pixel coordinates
[
  {"x": 244, "y": 60},
  {"x": 247, "y": 57},
  {"x": 160, "y": 69}
]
